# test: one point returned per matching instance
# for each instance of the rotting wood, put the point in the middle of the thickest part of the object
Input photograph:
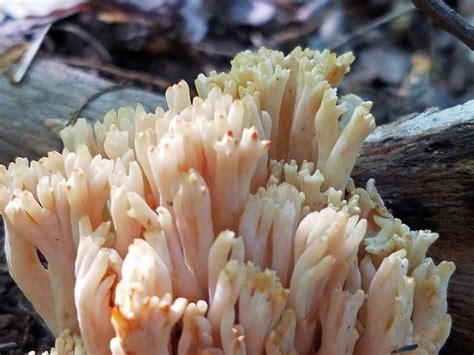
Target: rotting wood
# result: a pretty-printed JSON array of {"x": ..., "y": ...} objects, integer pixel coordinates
[
  {"x": 424, "y": 170},
  {"x": 423, "y": 165}
]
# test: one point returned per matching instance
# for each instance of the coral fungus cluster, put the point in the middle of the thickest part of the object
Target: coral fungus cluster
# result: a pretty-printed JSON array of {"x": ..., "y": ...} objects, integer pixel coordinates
[{"x": 226, "y": 224}]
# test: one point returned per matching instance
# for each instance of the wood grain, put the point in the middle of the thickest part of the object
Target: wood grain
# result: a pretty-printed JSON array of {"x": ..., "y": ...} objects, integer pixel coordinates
[{"x": 423, "y": 165}]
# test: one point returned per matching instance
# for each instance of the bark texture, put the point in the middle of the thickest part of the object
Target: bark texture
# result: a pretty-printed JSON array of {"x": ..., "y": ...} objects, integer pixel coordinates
[{"x": 423, "y": 167}]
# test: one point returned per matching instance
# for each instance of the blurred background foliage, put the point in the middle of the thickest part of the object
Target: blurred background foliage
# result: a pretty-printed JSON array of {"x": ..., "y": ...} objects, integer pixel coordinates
[{"x": 404, "y": 64}]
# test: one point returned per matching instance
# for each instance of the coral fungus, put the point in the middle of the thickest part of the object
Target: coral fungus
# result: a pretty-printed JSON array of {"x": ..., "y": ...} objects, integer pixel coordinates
[{"x": 226, "y": 224}]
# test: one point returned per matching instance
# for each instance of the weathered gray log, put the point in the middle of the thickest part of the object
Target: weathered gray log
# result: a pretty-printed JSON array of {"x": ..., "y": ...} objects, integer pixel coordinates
[
  {"x": 54, "y": 90},
  {"x": 424, "y": 169},
  {"x": 423, "y": 165}
]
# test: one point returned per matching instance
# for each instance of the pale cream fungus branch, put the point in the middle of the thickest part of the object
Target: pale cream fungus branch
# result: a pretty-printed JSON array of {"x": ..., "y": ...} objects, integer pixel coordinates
[{"x": 227, "y": 223}]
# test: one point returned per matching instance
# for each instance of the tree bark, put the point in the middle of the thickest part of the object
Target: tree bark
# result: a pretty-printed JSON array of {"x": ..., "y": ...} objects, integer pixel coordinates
[{"x": 423, "y": 167}]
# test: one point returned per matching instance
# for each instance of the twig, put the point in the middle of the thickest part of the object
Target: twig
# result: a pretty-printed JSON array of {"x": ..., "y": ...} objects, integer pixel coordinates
[
  {"x": 121, "y": 74},
  {"x": 81, "y": 33},
  {"x": 95, "y": 96},
  {"x": 448, "y": 19},
  {"x": 56, "y": 125},
  {"x": 379, "y": 21}
]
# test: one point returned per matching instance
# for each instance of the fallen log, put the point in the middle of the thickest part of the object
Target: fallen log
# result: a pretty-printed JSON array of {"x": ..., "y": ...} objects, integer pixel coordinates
[
  {"x": 423, "y": 165},
  {"x": 53, "y": 90}
]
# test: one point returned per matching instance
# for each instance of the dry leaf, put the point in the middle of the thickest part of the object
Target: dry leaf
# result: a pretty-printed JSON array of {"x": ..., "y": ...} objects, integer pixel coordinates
[{"x": 12, "y": 55}]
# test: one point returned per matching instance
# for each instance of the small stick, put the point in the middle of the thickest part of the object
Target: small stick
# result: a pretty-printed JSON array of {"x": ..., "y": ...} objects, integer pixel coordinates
[
  {"x": 81, "y": 33},
  {"x": 116, "y": 72},
  {"x": 95, "y": 96},
  {"x": 379, "y": 21},
  {"x": 448, "y": 19}
]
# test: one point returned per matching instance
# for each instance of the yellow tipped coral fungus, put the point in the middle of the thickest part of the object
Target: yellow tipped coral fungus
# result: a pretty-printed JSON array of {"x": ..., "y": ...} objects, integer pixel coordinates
[{"x": 225, "y": 224}]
